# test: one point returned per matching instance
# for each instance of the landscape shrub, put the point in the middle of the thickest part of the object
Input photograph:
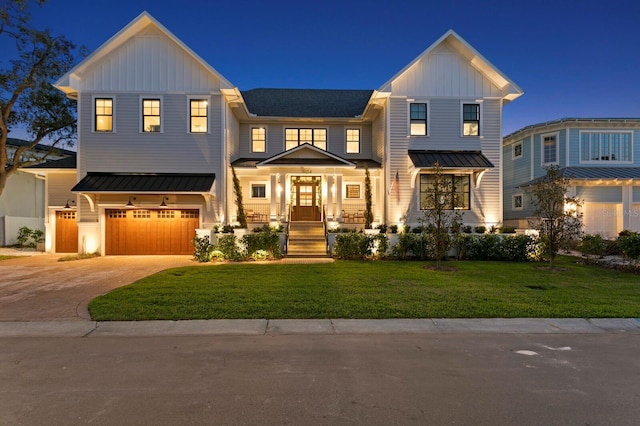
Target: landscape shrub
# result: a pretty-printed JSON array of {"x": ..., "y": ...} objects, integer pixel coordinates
[
  {"x": 381, "y": 244},
  {"x": 517, "y": 248},
  {"x": 352, "y": 245},
  {"x": 413, "y": 246},
  {"x": 592, "y": 245},
  {"x": 480, "y": 229},
  {"x": 229, "y": 249},
  {"x": 202, "y": 248},
  {"x": 267, "y": 240},
  {"x": 28, "y": 237},
  {"x": 629, "y": 244}
]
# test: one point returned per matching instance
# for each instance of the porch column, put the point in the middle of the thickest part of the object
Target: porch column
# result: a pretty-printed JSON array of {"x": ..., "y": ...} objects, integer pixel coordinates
[
  {"x": 339, "y": 196},
  {"x": 627, "y": 200},
  {"x": 331, "y": 198},
  {"x": 377, "y": 199},
  {"x": 273, "y": 207}
]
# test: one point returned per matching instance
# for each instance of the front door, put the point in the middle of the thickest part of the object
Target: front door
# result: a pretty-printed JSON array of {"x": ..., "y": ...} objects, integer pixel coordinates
[{"x": 305, "y": 194}]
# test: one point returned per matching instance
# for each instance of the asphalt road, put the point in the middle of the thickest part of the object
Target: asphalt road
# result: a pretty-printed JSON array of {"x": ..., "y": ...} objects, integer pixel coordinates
[{"x": 382, "y": 379}]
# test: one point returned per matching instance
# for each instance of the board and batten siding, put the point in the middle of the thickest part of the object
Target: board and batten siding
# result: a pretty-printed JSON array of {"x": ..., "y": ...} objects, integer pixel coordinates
[
  {"x": 174, "y": 150},
  {"x": 149, "y": 62},
  {"x": 446, "y": 73}
]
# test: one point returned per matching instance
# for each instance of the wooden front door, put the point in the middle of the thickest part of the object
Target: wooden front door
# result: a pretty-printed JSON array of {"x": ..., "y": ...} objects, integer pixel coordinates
[
  {"x": 66, "y": 232},
  {"x": 305, "y": 198}
]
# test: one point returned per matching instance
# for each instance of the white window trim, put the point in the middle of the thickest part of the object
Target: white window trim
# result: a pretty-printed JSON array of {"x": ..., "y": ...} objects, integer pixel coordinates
[
  {"x": 345, "y": 139},
  {"x": 141, "y": 115},
  {"x": 557, "y": 136},
  {"x": 267, "y": 189},
  {"x": 266, "y": 139},
  {"x": 513, "y": 150},
  {"x": 604, "y": 162},
  {"x": 344, "y": 190},
  {"x": 428, "y": 172},
  {"x": 480, "y": 102},
  {"x": 113, "y": 113},
  {"x": 194, "y": 98},
  {"x": 418, "y": 101},
  {"x": 513, "y": 201}
]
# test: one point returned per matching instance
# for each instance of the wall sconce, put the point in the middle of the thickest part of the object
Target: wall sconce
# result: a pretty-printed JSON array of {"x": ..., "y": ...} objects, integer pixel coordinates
[
  {"x": 69, "y": 204},
  {"x": 164, "y": 200},
  {"x": 130, "y": 203}
]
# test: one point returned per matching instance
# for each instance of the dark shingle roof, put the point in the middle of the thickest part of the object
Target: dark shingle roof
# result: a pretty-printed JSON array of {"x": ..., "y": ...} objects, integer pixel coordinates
[
  {"x": 63, "y": 163},
  {"x": 306, "y": 102},
  {"x": 145, "y": 182},
  {"x": 450, "y": 159},
  {"x": 39, "y": 147}
]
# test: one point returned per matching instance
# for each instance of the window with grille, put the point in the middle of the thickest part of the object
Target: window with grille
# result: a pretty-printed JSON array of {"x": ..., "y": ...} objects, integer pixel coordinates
[
  {"x": 199, "y": 109},
  {"x": 151, "y": 115}
]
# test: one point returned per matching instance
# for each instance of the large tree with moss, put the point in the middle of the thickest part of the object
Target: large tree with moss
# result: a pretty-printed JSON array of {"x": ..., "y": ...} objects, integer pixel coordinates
[{"x": 34, "y": 60}]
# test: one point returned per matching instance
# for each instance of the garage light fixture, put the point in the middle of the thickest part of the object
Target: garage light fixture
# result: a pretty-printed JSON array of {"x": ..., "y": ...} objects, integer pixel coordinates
[
  {"x": 69, "y": 204},
  {"x": 164, "y": 200},
  {"x": 130, "y": 203}
]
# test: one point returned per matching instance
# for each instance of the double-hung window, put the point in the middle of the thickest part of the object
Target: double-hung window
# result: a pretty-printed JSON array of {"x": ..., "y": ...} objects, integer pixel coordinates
[
  {"x": 353, "y": 141},
  {"x": 258, "y": 139},
  {"x": 198, "y": 115},
  {"x": 151, "y": 115},
  {"x": 517, "y": 202},
  {"x": 454, "y": 194},
  {"x": 470, "y": 119},
  {"x": 296, "y": 137},
  {"x": 104, "y": 115},
  {"x": 549, "y": 149},
  {"x": 517, "y": 150},
  {"x": 418, "y": 119},
  {"x": 258, "y": 190}
]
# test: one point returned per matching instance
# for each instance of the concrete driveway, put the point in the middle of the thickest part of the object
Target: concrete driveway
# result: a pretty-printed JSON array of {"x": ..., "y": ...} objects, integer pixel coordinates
[{"x": 39, "y": 288}]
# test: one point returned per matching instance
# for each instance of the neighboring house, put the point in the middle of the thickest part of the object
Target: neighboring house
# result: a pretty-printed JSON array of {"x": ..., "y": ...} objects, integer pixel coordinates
[
  {"x": 160, "y": 131},
  {"x": 601, "y": 156},
  {"x": 22, "y": 203}
]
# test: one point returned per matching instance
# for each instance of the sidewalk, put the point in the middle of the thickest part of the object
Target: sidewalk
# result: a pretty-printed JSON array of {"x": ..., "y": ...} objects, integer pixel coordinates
[{"x": 317, "y": 327}]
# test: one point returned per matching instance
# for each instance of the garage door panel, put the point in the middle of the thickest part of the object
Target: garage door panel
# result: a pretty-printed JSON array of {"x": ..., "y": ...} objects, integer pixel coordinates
[
  {"x": 66, "y": 232},
  {"x": 150, "y": 231}
]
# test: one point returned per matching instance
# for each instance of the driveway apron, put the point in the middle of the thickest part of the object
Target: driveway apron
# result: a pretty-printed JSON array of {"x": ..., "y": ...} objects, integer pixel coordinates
[{"x": 40, "y": 288}]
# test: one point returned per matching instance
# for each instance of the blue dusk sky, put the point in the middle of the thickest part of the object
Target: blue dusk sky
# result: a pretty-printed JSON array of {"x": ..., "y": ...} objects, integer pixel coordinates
[{"x": 572, "y": 58}]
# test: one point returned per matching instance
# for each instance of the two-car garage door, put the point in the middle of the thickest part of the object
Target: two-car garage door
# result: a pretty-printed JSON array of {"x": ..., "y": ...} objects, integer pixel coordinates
[{"x": 150, "y": 231}]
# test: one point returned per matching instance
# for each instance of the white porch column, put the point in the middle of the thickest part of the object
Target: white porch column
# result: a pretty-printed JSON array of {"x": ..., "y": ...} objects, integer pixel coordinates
[
  {"x": 627, "y": 205},
  {"x": 331, "y": 198},
  {"x": 339, "y": 196},
  {"x": 377, "y": 198},
  {"x": 273, "y": 205}
]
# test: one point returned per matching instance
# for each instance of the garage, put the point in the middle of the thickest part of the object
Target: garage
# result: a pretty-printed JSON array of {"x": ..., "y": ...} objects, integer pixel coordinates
[
  {"x": 142, "y": 231},
  {"x": 66, "y": 232}
]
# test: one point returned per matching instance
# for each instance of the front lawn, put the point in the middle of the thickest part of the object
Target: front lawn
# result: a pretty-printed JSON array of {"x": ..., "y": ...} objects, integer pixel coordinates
[
  {"x": 351, "y": 289},
  {"x": 3, "y": 257}
]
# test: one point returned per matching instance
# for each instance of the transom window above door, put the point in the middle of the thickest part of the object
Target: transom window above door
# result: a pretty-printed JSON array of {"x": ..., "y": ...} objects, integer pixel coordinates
[{"x": 296, "y": 137}]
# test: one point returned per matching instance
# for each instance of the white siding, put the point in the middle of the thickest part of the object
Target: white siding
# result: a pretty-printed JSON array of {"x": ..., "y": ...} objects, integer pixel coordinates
[
  {"x": 148, "y": 62},
  {"x": 444, "y": 72}
]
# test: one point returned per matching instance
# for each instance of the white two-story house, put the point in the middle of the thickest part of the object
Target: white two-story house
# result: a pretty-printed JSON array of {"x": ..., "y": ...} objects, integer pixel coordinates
[
  {"x": 598, "y": 155},
  {"x": 161, "y": 132}
]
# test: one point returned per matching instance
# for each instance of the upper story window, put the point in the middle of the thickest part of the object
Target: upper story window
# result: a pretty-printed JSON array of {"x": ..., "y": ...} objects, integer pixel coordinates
[
  {"x": 104, "y": 115},
  {"x": 605, "y": 147},
  {"x": 517, "y": 150},
  {"x": 258, "y": 139},
  {"x": 418, "y": 119},
  {"x": 458, "y": 199},
  {"x": 549, "y": 149},
  {"x": 151, "y": 115},
  {"x": 470, "y": 119},
  {"x": 517, "y": 202},
  {"x": 315, "y": 137},
  {"x": 353, "y": 141},
  {"x": 198, "y": 115}
]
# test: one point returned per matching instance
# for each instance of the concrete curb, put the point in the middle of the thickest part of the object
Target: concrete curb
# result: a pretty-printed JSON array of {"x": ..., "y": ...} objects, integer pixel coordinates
[{"x": 260, "y": 327}]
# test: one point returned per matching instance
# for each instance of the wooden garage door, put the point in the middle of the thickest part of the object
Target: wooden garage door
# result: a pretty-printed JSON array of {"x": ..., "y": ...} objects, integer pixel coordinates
[
  {"x": 66, "y": 232},
  {"x": 150, "y": 231}
]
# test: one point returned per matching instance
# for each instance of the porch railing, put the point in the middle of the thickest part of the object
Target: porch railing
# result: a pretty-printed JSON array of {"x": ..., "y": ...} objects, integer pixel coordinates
[
  {"x": 354, "y": 213},
  {"x": 257, "y": 212}
]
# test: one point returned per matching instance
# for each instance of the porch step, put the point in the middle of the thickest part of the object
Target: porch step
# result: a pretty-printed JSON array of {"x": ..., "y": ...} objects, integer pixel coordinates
[{"x": 306, "y": 239}]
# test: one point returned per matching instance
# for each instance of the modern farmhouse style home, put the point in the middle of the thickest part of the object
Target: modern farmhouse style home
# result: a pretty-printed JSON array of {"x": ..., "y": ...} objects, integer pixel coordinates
[
  {"x": 161, "y": 132},
  {"x": 598, "y": 155}
]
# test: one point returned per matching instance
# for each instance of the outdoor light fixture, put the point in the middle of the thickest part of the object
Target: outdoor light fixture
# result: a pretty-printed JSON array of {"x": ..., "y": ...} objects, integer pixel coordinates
[
  {"x": 69, "y": 204},
  {"x": 163, "y": 203},
  {"x": 130, "y": 203}
]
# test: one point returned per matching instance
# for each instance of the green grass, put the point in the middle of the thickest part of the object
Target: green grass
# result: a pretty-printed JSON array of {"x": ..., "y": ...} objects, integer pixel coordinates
[
  {"x": 2, "y": 257},
  {"x": 347, "y": 289}
]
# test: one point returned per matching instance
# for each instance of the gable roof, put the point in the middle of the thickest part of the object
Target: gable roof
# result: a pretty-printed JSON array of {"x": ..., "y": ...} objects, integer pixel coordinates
[
  {"x": 306, "y": 102},
  {"x": 307, "y": 155},
  {"x": 69, "y": 82},
  {"x": 39, "y": 147},
  {"x": 63, "y": 163},
  {"x": 510, "y": 90}
]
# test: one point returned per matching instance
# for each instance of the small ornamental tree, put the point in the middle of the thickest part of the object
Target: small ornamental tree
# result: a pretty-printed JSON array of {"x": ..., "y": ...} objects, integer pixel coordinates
[
  {"x": 237, "y": 190},
  {"x": 368, "y": 213},
  {"x": 557, "y": 218},
  {"x": 439, "y": 216}
]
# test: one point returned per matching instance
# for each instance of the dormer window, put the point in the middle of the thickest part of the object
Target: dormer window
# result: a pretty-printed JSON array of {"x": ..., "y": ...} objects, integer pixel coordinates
[{"x": 315, "y": 137}]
